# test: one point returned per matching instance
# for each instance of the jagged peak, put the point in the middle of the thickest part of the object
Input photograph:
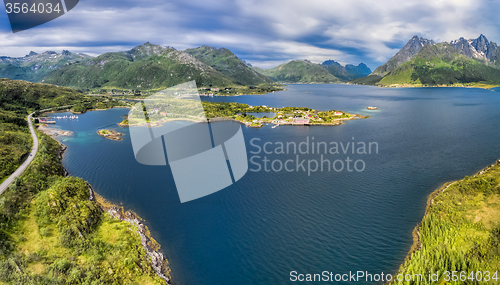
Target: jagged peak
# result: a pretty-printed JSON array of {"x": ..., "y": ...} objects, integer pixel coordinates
[
  {"x": 145, "y": 45},
  {"x": 207, "y": 46},
  {"x": 416, "y": 38},
  {"x": 146, "y": 49},
  {"x": 212, "y": 48},
  {"x": 481, "y": 36}
]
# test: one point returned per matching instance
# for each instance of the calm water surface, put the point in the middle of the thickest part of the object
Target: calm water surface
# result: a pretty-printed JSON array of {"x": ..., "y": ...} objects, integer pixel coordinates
[{"x": 270, "y": 223}]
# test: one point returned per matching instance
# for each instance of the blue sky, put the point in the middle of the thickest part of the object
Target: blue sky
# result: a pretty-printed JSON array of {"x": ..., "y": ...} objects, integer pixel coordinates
[{"x": 265, "y": 33}]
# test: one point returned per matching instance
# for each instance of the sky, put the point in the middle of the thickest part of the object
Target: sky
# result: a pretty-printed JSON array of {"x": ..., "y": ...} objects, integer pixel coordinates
[{"x": 265, "y": 33}]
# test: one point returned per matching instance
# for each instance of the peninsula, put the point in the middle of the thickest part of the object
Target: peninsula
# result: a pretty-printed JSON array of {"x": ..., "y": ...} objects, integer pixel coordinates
[
  {"x": 460, "y": 232},
  {"x": 251, "y": 116}
]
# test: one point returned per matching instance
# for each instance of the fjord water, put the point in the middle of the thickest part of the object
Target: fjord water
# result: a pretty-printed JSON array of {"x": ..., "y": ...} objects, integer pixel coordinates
[{"x": 270, "y": 223}]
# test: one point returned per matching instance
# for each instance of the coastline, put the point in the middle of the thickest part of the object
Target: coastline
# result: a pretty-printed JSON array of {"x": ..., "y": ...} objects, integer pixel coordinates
[
  {"x": 81, "y": 113},
  {"x": 486, "y": 87},
  {"x": 158, "y": 261},
  {"x": 417, "y": 243}
]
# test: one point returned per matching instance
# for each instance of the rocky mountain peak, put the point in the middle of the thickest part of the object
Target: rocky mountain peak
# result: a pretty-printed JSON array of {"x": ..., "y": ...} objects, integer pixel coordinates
[
  {"x": 412, "y": 47},
  {"x": 416, "y": 43},
  {"x": 330, "y": 62},
  {"x": 145, "y": 50},
  {"x": 479, "y": 48},
  {"x": 481, "y": 44}
]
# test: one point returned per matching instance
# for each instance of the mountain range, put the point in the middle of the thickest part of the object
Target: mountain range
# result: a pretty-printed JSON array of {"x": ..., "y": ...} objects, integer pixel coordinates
[
  {"x": 423, "y": 62},
  {"x": 304, "y": 71},
  {"x": 151, "y": 67},
  {"x": 144, "y": 67},
  {"x": 347, "y": 72},
  {"x": 35, "y": 66}
]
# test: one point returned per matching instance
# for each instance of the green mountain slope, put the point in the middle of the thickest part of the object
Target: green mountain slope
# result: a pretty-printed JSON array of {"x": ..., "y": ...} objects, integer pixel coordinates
[
  {"x": 300, "y": 71},
  {"x": 145, "y": 67},
  {"x": 368, "y": 80},
  {"x": 34, "y": 67},
  {"x": 227, "y": 63},
  {"x": 412, "y": 47},
  {"x": 441, "y": 64}
]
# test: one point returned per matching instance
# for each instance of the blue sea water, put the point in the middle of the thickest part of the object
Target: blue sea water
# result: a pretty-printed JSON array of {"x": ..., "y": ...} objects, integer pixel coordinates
[{"x": 271, "y": 223}]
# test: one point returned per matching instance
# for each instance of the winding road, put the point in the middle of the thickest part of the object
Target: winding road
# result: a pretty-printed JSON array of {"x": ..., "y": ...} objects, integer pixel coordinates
[
  {"x": 33, "y": 152},
  {"x": 27, "y": 162}
]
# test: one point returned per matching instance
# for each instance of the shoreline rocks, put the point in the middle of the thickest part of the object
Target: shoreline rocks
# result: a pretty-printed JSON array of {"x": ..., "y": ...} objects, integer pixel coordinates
[
  {"x": 158, "y": 261},
  {"x": 110, "y": 134}
]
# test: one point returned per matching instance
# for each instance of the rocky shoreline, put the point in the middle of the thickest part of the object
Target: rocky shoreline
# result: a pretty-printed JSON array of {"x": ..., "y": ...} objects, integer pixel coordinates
[
  {"x": 158, "y": 261},
  {"x": 151, "y": 246},
  {"x": 53, "y": 133},
  {"x": 417, "y": 244}
]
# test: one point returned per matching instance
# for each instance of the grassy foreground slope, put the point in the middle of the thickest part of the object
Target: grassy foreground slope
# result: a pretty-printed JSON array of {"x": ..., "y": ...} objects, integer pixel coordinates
[
  {"x": 51, "y": 233},
  {"x": 460, "y": 232},
  {"x": 441, "y": 64}
]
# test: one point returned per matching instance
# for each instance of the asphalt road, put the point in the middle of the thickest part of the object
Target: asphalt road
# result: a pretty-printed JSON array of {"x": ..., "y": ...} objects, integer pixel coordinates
[{"x": 27, "y": 162}]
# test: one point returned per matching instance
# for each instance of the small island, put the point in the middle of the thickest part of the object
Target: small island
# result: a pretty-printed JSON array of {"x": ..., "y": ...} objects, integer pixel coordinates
[{"x": 110, "y": 134}]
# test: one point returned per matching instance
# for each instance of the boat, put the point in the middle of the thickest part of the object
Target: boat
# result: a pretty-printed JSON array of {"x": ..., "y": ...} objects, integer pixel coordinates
[
  {"x": 275, "y": 126},
  {"x": 371, "y": 108}
]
